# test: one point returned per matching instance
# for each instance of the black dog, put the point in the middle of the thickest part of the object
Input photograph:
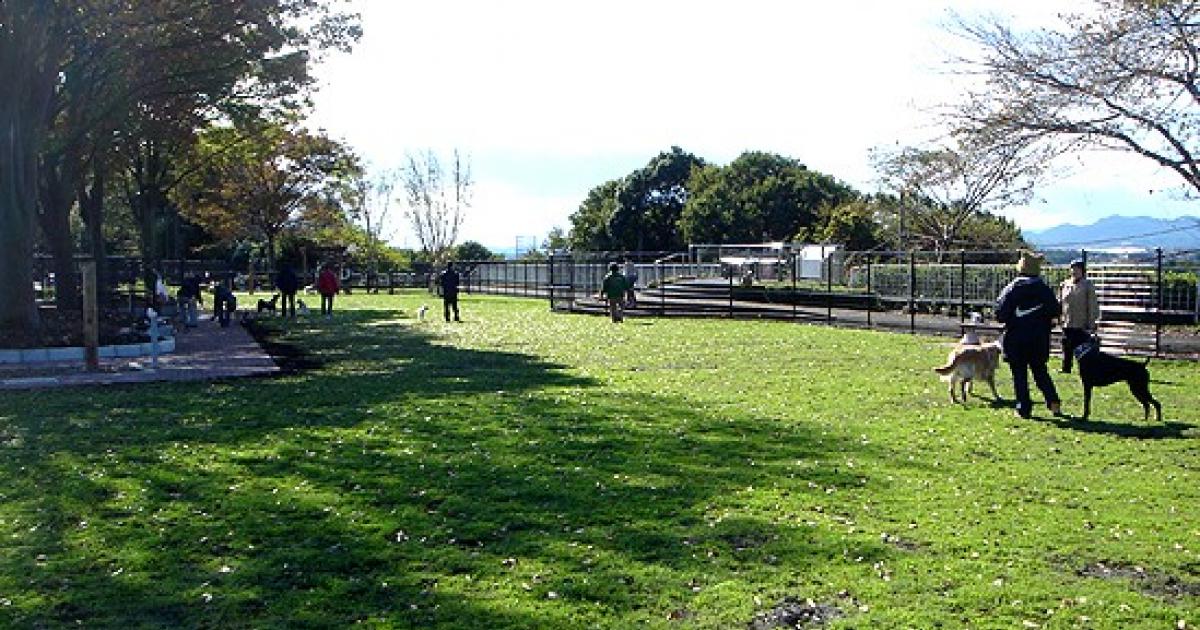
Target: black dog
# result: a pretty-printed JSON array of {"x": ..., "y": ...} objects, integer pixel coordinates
[
  {"x": 1097, "y": 369},
  {"x": 268, "y": 305}
]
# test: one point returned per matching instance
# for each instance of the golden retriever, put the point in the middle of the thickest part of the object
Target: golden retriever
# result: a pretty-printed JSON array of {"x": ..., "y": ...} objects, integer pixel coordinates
[{"x": 967, "y": 363}]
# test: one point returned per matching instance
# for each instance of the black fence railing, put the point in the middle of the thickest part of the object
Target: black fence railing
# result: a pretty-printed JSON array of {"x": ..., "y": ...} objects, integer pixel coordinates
[{"x": 912, "y": 290}]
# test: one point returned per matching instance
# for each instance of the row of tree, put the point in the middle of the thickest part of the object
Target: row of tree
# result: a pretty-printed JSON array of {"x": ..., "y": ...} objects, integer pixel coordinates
[
  {"x": 175, "y": 127},
  {"x": 678, "y": 198},
  {"x": 104, "y": 98}
]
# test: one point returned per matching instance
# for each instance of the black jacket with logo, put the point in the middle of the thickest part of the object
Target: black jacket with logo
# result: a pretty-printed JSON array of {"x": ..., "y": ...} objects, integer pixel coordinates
[{"x": 1027, "y": 307}]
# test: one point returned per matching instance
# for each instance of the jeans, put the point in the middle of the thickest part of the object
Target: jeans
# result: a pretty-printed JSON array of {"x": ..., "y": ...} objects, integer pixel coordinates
[
  {"x": 450, "y": 302},
  {"x": 326, "y": 304}
]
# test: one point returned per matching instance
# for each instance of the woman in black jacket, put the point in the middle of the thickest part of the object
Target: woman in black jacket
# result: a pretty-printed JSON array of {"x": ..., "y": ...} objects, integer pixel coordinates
[{"x": 1028, "y": 307}]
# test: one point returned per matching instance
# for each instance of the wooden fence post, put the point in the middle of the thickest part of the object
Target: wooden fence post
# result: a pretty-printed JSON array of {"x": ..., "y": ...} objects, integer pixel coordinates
[{"x": 91, "y": 323}]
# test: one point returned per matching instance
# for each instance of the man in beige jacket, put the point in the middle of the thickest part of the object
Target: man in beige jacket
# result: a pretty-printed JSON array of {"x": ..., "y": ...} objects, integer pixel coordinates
[{"x": 1080, "y": 310}]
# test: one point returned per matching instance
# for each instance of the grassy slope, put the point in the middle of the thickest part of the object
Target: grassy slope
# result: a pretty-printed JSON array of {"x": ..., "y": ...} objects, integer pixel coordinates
[{"x": 528, "y": 469}]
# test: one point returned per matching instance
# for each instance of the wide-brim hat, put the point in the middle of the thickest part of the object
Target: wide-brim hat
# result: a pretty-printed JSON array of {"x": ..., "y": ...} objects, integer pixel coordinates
[{"x": 1030, "y": 263}]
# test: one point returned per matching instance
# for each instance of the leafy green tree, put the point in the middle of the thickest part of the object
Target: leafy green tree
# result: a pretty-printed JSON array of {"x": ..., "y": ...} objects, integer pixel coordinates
[
  {"x": 854, "y": 225},
  {"x": 78, "y": 70},
  {"x": 650, "y": 201},
  {"x": 759, "y": 197},
  {"x": 556, "y": 240},
  {"x": 589, "y": 224},
  {"x": 473, "y": 250}
]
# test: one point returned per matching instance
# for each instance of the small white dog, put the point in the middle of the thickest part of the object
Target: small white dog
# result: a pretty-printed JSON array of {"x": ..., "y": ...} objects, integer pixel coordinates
[
  {"x": 422, "y": 311},
  {"x": 970, "y": 337}
]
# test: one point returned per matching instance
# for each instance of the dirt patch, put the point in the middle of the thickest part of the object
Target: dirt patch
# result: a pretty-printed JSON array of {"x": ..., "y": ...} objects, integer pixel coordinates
[
  {"x": 1149, "y": 581},
  {"x": 290, "y": 358},
  {"x": 794, "y": 612},
  {"x": 61, "y": 329},
  {"x": 903, "y": 544}
]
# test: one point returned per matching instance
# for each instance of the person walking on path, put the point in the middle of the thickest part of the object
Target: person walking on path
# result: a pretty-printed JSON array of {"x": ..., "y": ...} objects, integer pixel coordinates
[
  {"x": 189, "y": 298},
  {"x": 613, "y": 290},
  {"x": 1028, "y": 307},
  {"x": 1080, "y": 311},
  {"x": 288, "y": 283},
  {"x": 327, "y": 286},
  {"x": 224, "y": 302},
  {"x": 449, "y": 282}
]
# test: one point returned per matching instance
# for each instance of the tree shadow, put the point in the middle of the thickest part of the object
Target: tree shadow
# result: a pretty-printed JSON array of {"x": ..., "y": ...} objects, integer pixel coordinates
[{"x": 402, "y": 482}]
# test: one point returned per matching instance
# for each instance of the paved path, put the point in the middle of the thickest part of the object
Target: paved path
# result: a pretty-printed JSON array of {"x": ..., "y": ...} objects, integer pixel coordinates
[{"x": 204, "y": 353}]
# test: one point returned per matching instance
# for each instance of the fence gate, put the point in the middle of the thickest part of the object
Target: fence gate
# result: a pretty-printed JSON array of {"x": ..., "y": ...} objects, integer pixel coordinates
[{"x": 1130, "y": 293}]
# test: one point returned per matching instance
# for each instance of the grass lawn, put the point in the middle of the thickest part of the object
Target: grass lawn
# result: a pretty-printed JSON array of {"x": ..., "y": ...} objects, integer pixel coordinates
[{"x": 528, "y": 469}]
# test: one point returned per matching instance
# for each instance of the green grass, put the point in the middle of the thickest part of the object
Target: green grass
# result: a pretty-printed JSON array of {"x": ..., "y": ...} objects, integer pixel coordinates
[{"x": 529, "y": 469}]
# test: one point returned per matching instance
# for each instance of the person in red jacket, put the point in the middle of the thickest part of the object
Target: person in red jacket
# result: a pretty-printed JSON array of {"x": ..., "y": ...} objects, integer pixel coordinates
[{"x": 327, "y": 286}]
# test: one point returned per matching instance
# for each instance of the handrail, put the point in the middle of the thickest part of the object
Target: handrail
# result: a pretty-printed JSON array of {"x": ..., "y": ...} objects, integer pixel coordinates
[{"x": 668, "y": 257}]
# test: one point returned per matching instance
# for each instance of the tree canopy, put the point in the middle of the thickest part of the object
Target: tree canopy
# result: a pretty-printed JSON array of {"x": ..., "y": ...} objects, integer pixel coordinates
[
  {"x": 650, "y": 201},
  {"x": 91, "y": 81},
  {"x": 254, "y": 181},
  {"x": 759, "y": 197}
]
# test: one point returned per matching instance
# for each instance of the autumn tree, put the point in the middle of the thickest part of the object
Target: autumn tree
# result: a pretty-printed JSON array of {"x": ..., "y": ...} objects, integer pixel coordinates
[{"x": 256, "y": 182}]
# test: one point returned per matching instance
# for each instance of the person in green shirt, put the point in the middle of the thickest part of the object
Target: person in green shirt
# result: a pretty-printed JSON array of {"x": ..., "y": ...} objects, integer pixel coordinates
[{"x": 613, "y": 291}]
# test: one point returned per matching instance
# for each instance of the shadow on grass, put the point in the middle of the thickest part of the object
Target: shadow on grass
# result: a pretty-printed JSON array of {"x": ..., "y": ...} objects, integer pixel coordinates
[
  {"x": 1161, "y": 431},
  {"x": 404, "y": 482}
]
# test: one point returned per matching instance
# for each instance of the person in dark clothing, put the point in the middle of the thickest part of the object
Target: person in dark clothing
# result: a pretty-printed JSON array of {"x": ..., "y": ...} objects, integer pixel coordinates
[
  {"x": 449, "y": 282},
  {"x": 224, "y": 303},
  {"x": 189, "y": 297},
  {"x": 1028, "y": 307},
  {"x": 288, "y": 283}
]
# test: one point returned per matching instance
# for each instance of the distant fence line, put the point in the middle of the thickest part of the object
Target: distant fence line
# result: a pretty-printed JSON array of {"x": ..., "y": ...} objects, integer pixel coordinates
[{"x": 1153, "y": 287}]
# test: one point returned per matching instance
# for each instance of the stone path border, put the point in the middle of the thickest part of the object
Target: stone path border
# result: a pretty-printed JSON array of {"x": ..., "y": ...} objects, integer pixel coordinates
[{"x": 207, "y": 352}]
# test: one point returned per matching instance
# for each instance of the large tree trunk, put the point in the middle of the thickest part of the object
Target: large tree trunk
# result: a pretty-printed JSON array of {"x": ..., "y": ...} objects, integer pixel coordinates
[
  {"x": 29, "y": 58},
  {"x": 18, "y": 195},
  {"x": 59, "y": 180}
]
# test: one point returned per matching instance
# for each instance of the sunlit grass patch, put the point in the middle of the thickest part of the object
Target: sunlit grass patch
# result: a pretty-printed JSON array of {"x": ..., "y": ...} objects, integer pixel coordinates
[{"x": 531, "y": 469}]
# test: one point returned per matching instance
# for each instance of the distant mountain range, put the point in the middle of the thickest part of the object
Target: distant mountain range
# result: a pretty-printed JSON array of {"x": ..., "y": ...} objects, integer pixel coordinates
[{"x": 1121, "y": 231}]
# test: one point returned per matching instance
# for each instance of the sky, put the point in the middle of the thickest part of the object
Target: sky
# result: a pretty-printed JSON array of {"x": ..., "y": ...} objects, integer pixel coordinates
[{"x": 549, "y": 99}]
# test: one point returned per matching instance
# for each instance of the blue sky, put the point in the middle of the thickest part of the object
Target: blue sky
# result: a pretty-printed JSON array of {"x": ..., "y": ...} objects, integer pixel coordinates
[{"x": 552, "y": 98}]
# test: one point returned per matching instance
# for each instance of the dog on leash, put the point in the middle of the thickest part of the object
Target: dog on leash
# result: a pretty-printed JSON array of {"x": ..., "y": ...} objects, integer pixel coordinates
[
  {"x": 968, "y": 363},
  {"x": 1098, "y": 369},
  {"x": 268, "y": 305},
  {"x": 421, "y": 312}
]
